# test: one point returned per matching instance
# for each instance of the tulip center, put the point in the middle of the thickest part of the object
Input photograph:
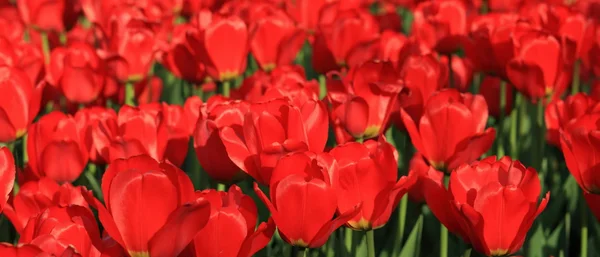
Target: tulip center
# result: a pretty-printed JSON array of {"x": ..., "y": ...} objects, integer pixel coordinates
[
  {"x": 139, "y": 254},
  {"x": 228, "y": 75},
  {"x": 371, "y": 131},
  {"x": 299, "y": 243},
  {"x": 362, "y": 224},
  {"x": 499, "y": 252}
]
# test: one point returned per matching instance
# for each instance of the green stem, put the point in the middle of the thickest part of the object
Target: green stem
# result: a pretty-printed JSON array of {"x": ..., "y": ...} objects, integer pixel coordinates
[
  {"x": 129, "y": 94},
  {"x": 502, "y": 114},
  {"x": 576, "y": 84},
  {"x": 300, "y": 251},
  {"x": 221, "y": 187},
  {"x": 450, "y": 73},
  {"x": 348, "y": 240},
  {"x": 443, "y": 229},
  {"x": 401, "y": 226},
  {"x": 467, "y": 252},
  {"x": 514, "y": 128},
  {"x": 370, "y": 243},
  {"x": 90, "y": 176},
  {"x": 584, "y": 228},
  {"x": 45, "y": 46},
  {"x": 541, "y": 132},
  {"x": 322, "y": 86},
  {"x": 226, "y": 88}
]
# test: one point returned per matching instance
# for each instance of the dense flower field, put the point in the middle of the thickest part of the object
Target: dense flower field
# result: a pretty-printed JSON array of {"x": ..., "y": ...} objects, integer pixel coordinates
[{"x": 299, "y": 128}]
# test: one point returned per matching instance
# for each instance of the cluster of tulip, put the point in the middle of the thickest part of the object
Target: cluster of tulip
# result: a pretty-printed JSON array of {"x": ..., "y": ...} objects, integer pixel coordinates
[{"x": 199, "y": 128}]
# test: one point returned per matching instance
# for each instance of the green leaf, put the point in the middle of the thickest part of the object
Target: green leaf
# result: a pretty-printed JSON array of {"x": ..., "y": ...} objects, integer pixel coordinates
[{"x": 412, "y": 246}]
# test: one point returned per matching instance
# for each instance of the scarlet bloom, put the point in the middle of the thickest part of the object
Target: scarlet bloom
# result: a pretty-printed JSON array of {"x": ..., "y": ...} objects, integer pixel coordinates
[
  {"x": 305, "y": 12},
  {"x": 78, "y": 71},
  {"x": 20, "y": 251},
  {"x": 491, "y": 204},
  {"x": 423, "y": 75},
  {"x": 579, "y": 142},
  {"x": 230, "y": 231},
  {"x": 368, "y": 174},
  {"x": 539, "y": 75},
  {"x": 303, "y": 202},
  {"x": 135, "y": 131},
  {"x": 559, "y": 114},
  {"x": 89, "y": 119},
  {"x": 56, "y": 229},
  {"x": 135, "y": 44},
  {"x": 452, "y": 129},
  {"x": 441, "y": 24},
  {"x": 36, "y": 196},
  {"x": 271, "y": 130},
  {"x": 340, "y": 33},
  {"x": 7, "y": 175},
  {"x": 181, "y": 58},
  {"x": 215, "y": 115},
  {"x": 224, "y": 47},
  {"x": 424, "y": 173},
  {"x": 362, "y": 103},
  {"x": 159, "y": 197},
  {"x": 56, "y": 136},
  {"x": 19, "y": 103},
  {"x": 275, "y": 40},
  {"x": 26, "y": 56},
  {"x": 48, "y": 16},
  {"x": 490, "y": 89}
]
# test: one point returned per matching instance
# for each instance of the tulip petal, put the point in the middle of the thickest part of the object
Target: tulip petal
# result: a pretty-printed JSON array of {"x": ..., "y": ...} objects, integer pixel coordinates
[
  {"x": 323, "y": 235},
  {"x": 413, "y": 132},
  {"x": 7, "y": 175},
  {"x": 257, "y": 240},
  {"x": 180, "y": 229}
]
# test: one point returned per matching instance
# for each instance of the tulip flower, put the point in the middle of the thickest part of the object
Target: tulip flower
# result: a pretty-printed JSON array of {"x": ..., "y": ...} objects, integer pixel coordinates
[
  {"x": 303, "y": 202},
  {"x": 28, "y": 250},
  {"x": 423, "y": 75},
  {"x": 424, "y": 173},
  {"x": 210, "y": 148},
  {"x": 48, "y": 16},
  {"x": 361, "y": 107},
  {"x": 271, "y": 130},
  {"x": 337, "y": 38},
  {"x": 23, "y": 55},
  {"x": 224, "y": 44},
  {"x": 305, "y": 12},
  {"x": 452, "y": 129},
  {"x": 35, "y": 196},
  {"x": 88, "y": 119},
  {"x": 7, "y": 175},
  {"x": 560, "y": 114},
  {"x": 274, "y": 40},
  {"x": 57, "y": 228},
  {"x": 390, "y": 45},
  {"x": 19, "y": 103},
  {"x": 368, "y": 173},
  {"x": 490, "y": 89},
  {"x": 539, "y": 75},
  {"x": 78, "y": 71},
  {"x": 158, "y": 197},
  {"x": 135, "y": 43},
  {"x": 230, "y": 231},
  {"x": 579, "y": 143},
  {"x": 441, "y": 24},
  {"x": 56, "y": 136},
  {"x": 491, "y": 204},
  {"x": 177, "y": 58}
]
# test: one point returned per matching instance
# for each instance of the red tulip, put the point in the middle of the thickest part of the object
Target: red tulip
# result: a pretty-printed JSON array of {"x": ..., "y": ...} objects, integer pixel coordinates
[
  {"x": 490, "y": 89},
  {"x": 390, "y": 45},
  {"x": 210, "y": 149},
  {"x": 491, "y": 204},
  {"x": 423, "y": 75},
  {"x": 137, "y": 130},
  {"x": 89, "y": 119},
  {"x": 424, "y": 173},
  {"x": 441, "y": 24},
  {"x": 224, "y": 46},
  {"x": 593, "y": 57},
  {"x": 35, "y": 196},
  {"x": 498, "y": 6},
  {"x": 7, "y": 175},
  {"x": 275, "y": 40},
  {"x": 11, "y": 24},
  {"x": 452, "y": 129},
  {"x": 271, "y": 130},
  {"x": 230, "y": 231},
  {"x": 56, "y": 136},
  {"x": 10, "y": 250},
  {"x": 57, "y": 228},
  {"x": 462, "y": 72},
  {"x": 579, "y": 142},
  {"x": 49, "y": 15},
  {"x": 368, "y": 174},
  {"x": 181, "y": 58},
  {"x": 578, "y": 29},
  {"x": 492, "y": 48},
  {"x": 134, "y": 42},
  {"x": 78, "y": 72},
  {"x": 341, "y": 34},
  {"x": 147, "y": 204},
  {"x": 19, "y": 103},
  {"x": 362, "y": 103},
  {"x": 560, "y": 114},
  {"x": 593, "y": 202},
  {"x": 23, "y": 55},
  {"x": 178, "y": 130},
  {"x": 303, "y": 202},
  {"x": 305, "y": 12},
  {"x": 538, "y": 75}
]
